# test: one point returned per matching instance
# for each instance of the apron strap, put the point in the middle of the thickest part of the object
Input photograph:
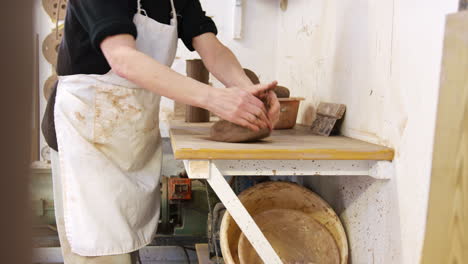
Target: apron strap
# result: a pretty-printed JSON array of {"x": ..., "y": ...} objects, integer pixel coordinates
[
  {"x": 174, "y": 14},
  {"x": 140, "y": 10}
]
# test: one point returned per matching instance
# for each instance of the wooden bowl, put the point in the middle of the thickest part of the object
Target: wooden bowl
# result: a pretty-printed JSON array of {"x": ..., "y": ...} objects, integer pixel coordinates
[
  {"x": 281, "y": 195},
  {"x": 295, "y": 236}
]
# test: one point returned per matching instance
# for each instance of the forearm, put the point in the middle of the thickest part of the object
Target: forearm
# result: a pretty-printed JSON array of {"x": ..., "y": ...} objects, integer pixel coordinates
[
  {"x": 158, "y": 78},
  {"x": 220, "y": 61},
  {"x": 227, "y": 69},
  {"x": 238, "y": 104}
]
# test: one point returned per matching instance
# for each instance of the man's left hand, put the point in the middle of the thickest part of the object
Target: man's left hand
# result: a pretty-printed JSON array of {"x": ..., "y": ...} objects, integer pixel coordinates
[{"x": 274, "y": 111}]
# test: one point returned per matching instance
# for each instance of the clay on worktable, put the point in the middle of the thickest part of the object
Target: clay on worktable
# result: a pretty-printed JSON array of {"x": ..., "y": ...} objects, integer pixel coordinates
[
  {"x": 252, "y": 76},
  {"x": 281, "y": 92},
  {"x": 226, "y": 131}
]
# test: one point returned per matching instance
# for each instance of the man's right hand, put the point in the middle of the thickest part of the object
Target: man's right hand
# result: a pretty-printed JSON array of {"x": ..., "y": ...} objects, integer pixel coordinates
[{"x": 242, "y": 106}]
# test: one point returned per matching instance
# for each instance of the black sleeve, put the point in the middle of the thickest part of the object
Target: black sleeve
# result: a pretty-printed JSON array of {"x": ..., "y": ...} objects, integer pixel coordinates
[
  {"x": 103, "y": 18},
  {"x": 194, "y": 23}
]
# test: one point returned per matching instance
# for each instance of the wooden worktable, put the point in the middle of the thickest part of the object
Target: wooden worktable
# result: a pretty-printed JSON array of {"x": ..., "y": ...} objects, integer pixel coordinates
[
  {"x": 285, "y": 152},
  {"x": 190, "y": 141}
]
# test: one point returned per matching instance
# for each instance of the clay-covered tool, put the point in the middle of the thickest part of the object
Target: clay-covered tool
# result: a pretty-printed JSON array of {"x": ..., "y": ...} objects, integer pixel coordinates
[{"x": 329, "y": 118}]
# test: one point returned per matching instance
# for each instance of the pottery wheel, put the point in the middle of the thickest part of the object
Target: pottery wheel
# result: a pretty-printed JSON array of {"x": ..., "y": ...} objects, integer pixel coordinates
[{"x": 295, "y": 236}]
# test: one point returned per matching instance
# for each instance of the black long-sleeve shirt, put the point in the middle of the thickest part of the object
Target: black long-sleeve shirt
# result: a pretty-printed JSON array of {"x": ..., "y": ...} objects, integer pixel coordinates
[{"x": 89, "y": 22}]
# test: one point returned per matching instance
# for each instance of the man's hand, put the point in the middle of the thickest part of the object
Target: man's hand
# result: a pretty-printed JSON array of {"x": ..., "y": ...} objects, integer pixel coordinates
[
  {"x": 222, "y": 63},
  {"x": 243, "y": 106},
  {"x": 269, "y": 98},
  {"x": 274, "y": 111}
]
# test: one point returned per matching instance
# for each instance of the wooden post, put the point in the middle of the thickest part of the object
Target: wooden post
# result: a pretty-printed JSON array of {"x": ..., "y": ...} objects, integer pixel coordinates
[
  {"x": 196, "y": 70},
  {"x": 446, "y": 238}
]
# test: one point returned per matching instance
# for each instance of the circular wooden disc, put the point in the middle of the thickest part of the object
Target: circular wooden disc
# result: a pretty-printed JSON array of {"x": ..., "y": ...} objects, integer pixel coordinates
[
  {"x": 45, "y": 153},
  {"x": 281, "y": 195},
  {"x": 54, "y": 8},
  {"x": 48, "y": 85},
  {"x": 295, "y": 236},
  {"x": 51, "y": 45}
]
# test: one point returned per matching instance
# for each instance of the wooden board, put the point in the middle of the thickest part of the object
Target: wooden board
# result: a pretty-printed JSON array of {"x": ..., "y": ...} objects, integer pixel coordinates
[
  {"x": 36, "y": 123},
  {"x": 446, "y": 239},
  {"x": 203, "y": 254},
  {"x": 190, "y": 141}
]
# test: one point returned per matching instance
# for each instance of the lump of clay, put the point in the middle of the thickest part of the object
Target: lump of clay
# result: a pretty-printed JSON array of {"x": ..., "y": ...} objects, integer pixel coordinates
[
  {"x": 226, "y": 131},
  {"x": 281, "y": 92},
  {"x": 252, "y": 76}
]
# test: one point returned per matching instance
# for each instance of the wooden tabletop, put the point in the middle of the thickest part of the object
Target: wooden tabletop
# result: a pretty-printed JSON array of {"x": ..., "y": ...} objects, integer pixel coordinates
[{"x": 191, "y": 141}]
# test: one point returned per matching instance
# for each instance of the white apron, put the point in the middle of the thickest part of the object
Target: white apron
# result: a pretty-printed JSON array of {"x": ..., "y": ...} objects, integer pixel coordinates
[{"x": 110, "y": 152}]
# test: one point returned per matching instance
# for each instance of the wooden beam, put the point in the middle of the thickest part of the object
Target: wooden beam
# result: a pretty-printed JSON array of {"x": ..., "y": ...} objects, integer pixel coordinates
[{"x": 446, "y": 239}]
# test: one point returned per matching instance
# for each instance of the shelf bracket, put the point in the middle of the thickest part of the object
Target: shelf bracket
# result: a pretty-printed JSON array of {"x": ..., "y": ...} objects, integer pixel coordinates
[
  {"x": 237, "y": 23},
  {"x": 284, "y": 5}
]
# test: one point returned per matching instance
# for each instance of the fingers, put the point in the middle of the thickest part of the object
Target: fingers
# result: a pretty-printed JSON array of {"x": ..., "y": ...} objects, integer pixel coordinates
[
  {"x": 253, "y": 110},
  {"x": 247, "y": 106},
  {"x": 259, "y": 89},
  {"x": 253, "y": 118},
  {"x": 273, "y": 113},
  {"x": 253, "y": 100},
  {"x": 258, "y": 108},
  {"x": 257, "y": 116},
  {"x": 259, "y": 111},
  {"x": 247, "y": 124}
]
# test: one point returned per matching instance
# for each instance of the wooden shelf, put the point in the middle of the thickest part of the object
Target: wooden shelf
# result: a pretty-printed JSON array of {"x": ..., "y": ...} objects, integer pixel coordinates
[{"x": 191, "y": 141}]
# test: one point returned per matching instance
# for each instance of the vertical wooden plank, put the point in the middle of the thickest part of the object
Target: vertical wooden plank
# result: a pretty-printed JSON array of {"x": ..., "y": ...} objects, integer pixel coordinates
[
  {"x": 16, "y": 73},
  {"x": 446, "y": 239},
  {"x": 35, "y": 134},
  {"x": 203, "y": 254}
]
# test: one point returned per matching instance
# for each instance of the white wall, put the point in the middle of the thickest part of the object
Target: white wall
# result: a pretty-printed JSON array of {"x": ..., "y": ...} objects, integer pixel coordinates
[{"x": 381, "y": 59}]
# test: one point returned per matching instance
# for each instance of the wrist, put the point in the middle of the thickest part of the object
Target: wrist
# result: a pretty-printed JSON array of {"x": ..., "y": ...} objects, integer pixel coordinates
[{"x": 206, "y": 97}]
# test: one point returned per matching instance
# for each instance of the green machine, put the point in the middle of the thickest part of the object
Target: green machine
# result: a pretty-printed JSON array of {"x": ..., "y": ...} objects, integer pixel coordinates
[
  {"x": 182, "y": 221},
  {"x": 186, "y": 217}
]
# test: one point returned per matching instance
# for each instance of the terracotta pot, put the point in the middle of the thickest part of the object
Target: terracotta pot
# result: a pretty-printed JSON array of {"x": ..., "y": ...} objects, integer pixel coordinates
[{"x": 289, "y": 108}]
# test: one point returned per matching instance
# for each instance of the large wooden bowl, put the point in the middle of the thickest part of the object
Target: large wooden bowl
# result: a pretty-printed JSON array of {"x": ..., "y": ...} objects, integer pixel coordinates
[
  {"x": 281, "y": 195},
  {"x": 295, "y": 236}
]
